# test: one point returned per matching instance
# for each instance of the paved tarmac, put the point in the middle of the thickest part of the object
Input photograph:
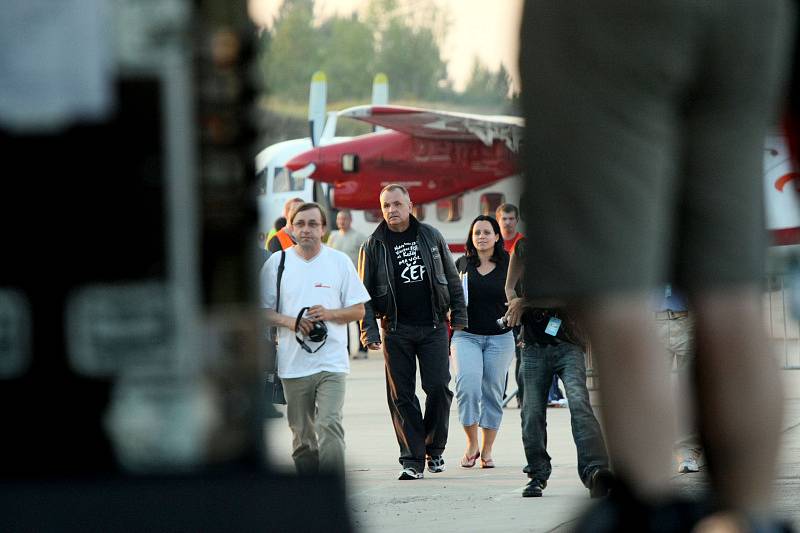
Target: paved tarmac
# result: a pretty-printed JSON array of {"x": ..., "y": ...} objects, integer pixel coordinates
[{"x": 485, "y": 500}]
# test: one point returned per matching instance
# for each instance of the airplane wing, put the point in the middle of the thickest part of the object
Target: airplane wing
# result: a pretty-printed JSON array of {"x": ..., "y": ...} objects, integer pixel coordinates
[{"x": 442, "y": 125}]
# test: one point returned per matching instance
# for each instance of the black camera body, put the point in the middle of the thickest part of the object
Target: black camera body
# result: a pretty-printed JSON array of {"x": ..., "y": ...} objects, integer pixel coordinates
[{"x": 319, "y": 332}]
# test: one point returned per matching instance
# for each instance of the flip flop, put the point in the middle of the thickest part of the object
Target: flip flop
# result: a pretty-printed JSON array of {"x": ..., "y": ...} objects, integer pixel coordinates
[
  {"x": 468, "y": 461},
  {"x": 488, "y": 463}
]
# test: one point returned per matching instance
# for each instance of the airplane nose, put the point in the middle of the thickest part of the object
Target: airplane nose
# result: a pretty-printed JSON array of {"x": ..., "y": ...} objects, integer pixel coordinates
[{"x": 302, "y": 160}]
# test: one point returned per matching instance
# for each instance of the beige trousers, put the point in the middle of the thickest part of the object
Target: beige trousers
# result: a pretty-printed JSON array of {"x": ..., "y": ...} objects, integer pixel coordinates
[{"x": 314, "y": 411}]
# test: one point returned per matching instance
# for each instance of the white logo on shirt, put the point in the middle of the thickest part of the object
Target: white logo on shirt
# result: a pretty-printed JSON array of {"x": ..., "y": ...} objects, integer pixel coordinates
[{"x": 408, "y": 257}]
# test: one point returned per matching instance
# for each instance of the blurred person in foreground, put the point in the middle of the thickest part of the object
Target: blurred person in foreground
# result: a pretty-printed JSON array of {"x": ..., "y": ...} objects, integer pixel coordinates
[
  {"x": 483, "y": 350},
  {"x": 319, "y": 286},
  {"x": 643, "y": 161},
  {"x": 409, "y": 273}
]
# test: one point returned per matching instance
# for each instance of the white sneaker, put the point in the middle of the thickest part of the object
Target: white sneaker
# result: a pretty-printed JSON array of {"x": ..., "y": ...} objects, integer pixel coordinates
[
  {"x": 688, "y": 465},
  {"x": 436, "y": 464}
]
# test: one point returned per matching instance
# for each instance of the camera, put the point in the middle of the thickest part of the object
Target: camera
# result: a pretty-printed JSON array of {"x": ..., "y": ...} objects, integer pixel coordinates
[{"x": 318, "y": 333}]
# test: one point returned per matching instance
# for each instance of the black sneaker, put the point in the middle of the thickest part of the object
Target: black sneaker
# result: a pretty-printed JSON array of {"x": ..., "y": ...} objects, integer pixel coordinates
[
  {"x": 409, "y": 472},
  {"x": 601, "y": 482},
  {"x": 534, "y": 488},
  {"x": 435, "y": 464}
]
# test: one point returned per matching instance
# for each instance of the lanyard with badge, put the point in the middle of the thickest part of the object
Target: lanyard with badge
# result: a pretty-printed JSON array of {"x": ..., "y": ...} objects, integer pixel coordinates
[{"x": 553, "y": 326}]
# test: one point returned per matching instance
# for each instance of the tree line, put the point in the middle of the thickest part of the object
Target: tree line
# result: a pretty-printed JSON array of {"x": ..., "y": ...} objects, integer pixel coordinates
[{"x": 397, "y": 37}]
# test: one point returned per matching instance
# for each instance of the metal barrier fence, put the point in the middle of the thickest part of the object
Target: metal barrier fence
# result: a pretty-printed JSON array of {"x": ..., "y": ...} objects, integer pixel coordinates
[{"x": 782, "y": 327}]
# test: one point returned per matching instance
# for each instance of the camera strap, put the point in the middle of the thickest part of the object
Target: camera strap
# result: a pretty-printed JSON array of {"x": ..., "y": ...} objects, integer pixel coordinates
[
  {"x": 273, "y": 331},
  {"x": 299, "y": 337}
]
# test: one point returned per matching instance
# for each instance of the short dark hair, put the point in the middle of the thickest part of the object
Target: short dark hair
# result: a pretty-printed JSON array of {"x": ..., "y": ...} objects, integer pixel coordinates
[
  {"x": 280, "y": 222},
  {"x": 499, "y": 253},
  {"x": 345, "y": 211},
  {"x": 308, "y": 206},
  {"x": 507, "y": 208}
]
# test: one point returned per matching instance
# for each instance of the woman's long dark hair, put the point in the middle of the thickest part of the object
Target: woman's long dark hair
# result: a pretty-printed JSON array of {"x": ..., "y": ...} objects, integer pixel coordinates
[{"x": 499, "y": 254}]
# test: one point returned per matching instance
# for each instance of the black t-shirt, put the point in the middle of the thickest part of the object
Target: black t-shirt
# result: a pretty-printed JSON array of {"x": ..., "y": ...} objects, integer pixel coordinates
[
  {"x": 411, "y": 278},
  {"x": 487, "y": 297},
  {"x": 535, "y": 321}
]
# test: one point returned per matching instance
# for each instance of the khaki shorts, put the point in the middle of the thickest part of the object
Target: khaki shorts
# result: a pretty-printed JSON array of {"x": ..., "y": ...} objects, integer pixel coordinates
[{"x": 645, "y": 127}]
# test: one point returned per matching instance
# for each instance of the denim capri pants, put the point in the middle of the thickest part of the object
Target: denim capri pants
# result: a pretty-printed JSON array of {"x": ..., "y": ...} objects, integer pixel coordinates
[{"x": 481, "y": 363}]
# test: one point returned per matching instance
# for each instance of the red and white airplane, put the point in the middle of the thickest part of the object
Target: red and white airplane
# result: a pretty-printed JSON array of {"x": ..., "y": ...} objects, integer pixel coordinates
[
  {"x": 454, "y": 165},
  {"x": 781, "y": 192},
  {"x": 434, "y": 154},
  {"x": 440, "y": 155}
]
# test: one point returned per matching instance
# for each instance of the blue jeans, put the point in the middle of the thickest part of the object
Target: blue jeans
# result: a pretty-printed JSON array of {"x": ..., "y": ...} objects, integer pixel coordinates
[
  {"x": 481, "y": 364},
  {"x": 539, "y": 363}
]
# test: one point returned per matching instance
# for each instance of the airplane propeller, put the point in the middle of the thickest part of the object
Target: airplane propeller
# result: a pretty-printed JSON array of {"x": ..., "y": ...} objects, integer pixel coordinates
[{"x": 305, "y": 172}]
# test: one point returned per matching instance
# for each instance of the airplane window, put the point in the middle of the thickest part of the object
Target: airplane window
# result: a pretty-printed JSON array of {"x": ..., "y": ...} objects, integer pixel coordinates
[
  {"x": 349, "y": 163},
  {"x": 284, "y": 181},
  {"x": 450, "y": 209},
  {"x": 419, "y": 212},
  {"x": 261, "y": 181},
  {"x": 490, "y": 201},
  {"x": 373, "y": 215}
]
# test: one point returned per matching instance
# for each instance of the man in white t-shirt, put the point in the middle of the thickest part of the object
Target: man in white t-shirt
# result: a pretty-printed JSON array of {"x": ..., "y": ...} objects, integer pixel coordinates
[{"x": 324, "y": 282}]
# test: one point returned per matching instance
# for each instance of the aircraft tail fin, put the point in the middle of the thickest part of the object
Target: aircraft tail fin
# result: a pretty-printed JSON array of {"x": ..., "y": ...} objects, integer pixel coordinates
[
  {"x": 380, "y": 93},
  {"x": 317, "y": 101}
]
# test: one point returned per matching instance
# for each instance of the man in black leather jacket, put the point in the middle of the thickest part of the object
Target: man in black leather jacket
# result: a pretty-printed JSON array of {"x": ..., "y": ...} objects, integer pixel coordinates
[{"x": 412, "y": 280}]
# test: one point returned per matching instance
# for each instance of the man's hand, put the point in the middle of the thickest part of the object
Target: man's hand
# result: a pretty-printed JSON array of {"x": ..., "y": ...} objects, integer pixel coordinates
[
  {"x": 516, "y": 308},
  {"x": 305, "y": 326},
  {"x": 318, "y": 313},
  {"x": 374, "y": 346}
]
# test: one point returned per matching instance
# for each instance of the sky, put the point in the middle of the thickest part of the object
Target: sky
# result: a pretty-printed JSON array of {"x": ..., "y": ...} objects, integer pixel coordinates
[{"x": 479, "y": 28}]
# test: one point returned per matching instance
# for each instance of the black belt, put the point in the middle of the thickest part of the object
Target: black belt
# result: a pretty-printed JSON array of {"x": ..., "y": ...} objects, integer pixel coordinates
[{"x": 671, "y": 315}]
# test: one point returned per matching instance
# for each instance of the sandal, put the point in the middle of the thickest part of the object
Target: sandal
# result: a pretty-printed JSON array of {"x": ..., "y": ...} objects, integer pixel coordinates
[
  {"x": 488, "y": 463},
  {"x": 468, "y": 461}
]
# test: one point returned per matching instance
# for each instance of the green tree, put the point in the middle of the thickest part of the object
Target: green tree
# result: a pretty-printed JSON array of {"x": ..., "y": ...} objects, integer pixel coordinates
[
  {"x": 486, "y": 87},
  {"x": 407, "y": 37},
  {"x": 348, "y": 57},
  {"x": 294, "y": 50}
]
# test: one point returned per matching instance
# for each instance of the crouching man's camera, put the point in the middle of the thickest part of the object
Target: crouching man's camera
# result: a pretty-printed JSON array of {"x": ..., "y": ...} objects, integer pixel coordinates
[{"x": 318, "y": 333}]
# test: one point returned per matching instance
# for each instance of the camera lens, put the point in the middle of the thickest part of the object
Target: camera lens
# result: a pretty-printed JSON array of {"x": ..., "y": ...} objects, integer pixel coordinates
[{"x": 318, "y": 332}]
